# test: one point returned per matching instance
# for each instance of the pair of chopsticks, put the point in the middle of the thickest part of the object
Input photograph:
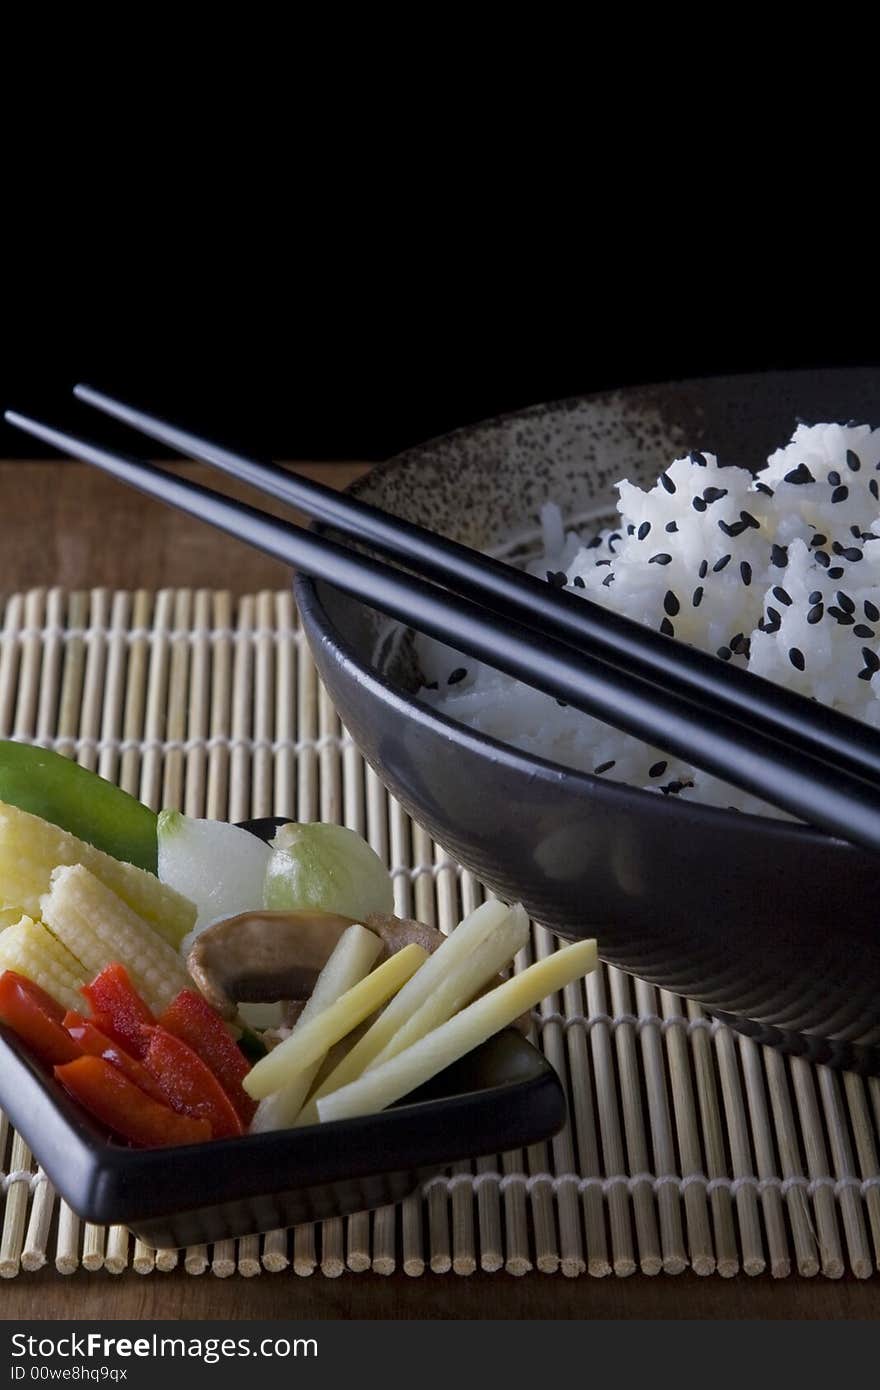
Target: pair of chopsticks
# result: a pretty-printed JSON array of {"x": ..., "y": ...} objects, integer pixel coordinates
[{"x": 802, "y": 757}]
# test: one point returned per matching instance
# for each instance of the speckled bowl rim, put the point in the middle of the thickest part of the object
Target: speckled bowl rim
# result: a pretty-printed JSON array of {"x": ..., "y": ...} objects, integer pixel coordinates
[{"x": 313, "y": 611}]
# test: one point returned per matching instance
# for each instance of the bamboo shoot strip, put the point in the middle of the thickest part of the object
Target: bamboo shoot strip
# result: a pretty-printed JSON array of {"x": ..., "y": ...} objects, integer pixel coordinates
[
  {"x": 314, "y": 1039},
  {"x": 452, "y": 992},
  {"x": 353, "y": 957},
  {"x": 387, "y": 1083},
  {"x": 468, "y": 935}
]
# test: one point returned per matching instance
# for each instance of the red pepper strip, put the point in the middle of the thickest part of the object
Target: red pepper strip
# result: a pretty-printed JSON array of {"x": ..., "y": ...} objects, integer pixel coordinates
[
  {"x": 191, "y": 1018},
  {"x": 112, "y": 994},
  {"x": 36, "y": 1018},
  {"x": 112, "y": 1099},
  {"x": 187, "y": 1084},
  {"x": 96, "y": 1044}
]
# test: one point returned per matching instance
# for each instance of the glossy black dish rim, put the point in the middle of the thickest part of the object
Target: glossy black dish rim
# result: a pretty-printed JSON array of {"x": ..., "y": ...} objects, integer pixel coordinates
[{"x": 408, "y": 706}]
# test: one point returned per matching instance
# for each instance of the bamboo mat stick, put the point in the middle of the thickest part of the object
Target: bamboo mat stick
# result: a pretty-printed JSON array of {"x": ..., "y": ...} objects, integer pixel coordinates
[
  {"x": 571, "y": 1251},
  {"x": 623, "y": 1257},
  {"x": 93, "y": 1247},
  {"x": 33, "y": 1253},
  {"x": 178, "y": 689},
  {"x": 50, "y": 672},
  {"x": 585, "y": 1129},
  {"x": 285, "y": 706},
  {"x": 223, "y": 1259},
  {"x": 263, "y": 769},
  {"x": 275, "y": 1256},
  {"x": 166, "y": 1260},
  {"x": 30, "y": 663},
  {"x": 788, "y": 1145},
  {"x": 866, "y": 1149},
  {"x": 18, "y": 1191},
  {"x": 305, "y": 1258},
  {"x": 198, "y": 721},
  {"x": 762, "y": 1138},
  {"x": 824, "y": 1209},
  {"x": 157, "y": 699},
  {"x": 357, "y": 1239},
  {"x": 650, "y": 1255},
  {"x": 668, "y": 1200},
  {"x": 249, "y": 1257},
  {"x": 114, "y": 688},
  {"x": 195, "y": 1260},
  {"x": 144, "y": 1260},
  {"x": 712, "y": 1128},
  {"x": 9, "y": 659},
  {"x": 135, "y": 692},
  {"x": 91, "y": 709},
  {"x": 540, "y": 1188},
  {"x": 389, "y": 832},
  {"x": 332, "y": 1248},
  {"x": 702, "y": 1252},
  {"x": 849, "y": 1198},
  {"x": 67, "y": 1241},
  {"x": 753, "y": 1259},
  {"x": 217, "y": 796}
]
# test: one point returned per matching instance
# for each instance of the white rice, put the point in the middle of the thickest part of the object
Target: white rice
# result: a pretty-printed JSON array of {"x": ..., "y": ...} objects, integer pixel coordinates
[{"x": 793, "y": 594}]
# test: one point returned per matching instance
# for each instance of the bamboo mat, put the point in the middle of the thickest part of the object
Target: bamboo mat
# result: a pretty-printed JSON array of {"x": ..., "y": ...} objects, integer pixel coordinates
[{"x": 688, "y": 1147}]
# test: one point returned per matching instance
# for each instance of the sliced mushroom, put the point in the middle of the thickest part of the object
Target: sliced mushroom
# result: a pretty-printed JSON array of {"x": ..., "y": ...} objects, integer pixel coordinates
[
  {"x": 397, "y": 932},
  {"x": 261, "y": 957}
]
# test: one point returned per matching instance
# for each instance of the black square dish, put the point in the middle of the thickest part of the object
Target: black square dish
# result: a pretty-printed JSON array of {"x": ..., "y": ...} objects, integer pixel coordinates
[{"x": 504, "y": 1095}]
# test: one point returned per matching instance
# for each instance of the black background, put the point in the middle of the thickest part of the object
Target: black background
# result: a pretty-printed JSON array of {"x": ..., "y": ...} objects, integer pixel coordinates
[{"x": 341, "y": 352}]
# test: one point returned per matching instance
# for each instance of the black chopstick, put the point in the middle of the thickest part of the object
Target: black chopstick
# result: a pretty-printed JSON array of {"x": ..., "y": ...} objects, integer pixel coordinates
[
  {"x": 763, "y": 705},
  {"x": 790, "y": 779}
]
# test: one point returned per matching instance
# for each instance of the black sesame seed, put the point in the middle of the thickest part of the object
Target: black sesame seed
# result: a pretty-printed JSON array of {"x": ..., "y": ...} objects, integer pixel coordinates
[
  {"x": 658, "y": 769},
  {"x": 671, "y": 526},
  {"x": 432, "y": 685},
  {"x": 734, "y": 530},
  {"x": 836, "y": 548},
  {"x": 745, "y": 571},
  {"x": 749, "y": 520},
  {"x": 630, "y": 530},
  {"x": 862, "y": 630},
  {"x": 845, "y": 619},
  {"x": 704, "y": 569},
  {"x": 563, "y": 704},
  {"x": 818, "y": 539},
  {"x": 816, "y": 596},
  {"x": 596, "y": 541},
  {"x": 836, "y": 572},
  {"x": 815, "y": 613},
  {"x": 457, "y": 675},
  {"x": 834, "y": 478},
  {"x": 782, "y": 595},
  {"x": 774, "y": 620},
  {"x": 600, "y": 563},
  {"x": 604, "y": 767},
  {"x": 660, "y": 559},
  {"x": 736, "y": 642},
  {"x": 866, "y": 674},
  {"x": 698, "y": 459},
  {"x": 612, "y": 539},
  {"x": 779, "y": 556},
  {"x": 698, "y": 596},
  {"x": 719, "y": 564},
  {"x": 607, "y": 581},
  {"x": 869, "y": 536},
  {"x": 874, "y": 489},
  {"x": 698, "y": 504},
  {"x": 852, "y": 554},
  {"x": 823, "y": 557},
  {"x": 762, "y": 487},
  {"x": 667, "y": 482},
  {"x": 714, "y": 494},
  {"x": 872, "y": 612},
  {"x": 666, "y": 628},
  {"x": 671, "y": 604},
  {"x": 796, "y": 657},
  {"x": 725, "y": 653},
  {"x": 643, "y": 530},
  {"x": 845, "y": 602},
  {"x": 801, "y": 474},
  {"x": 840, "y": 494},
  {"x": 854, "y": 531},
  {"x": 871, "y": 658},
  {"x": 578, "y": 582},
  {"x": 559, "y": 579},
  {"x": 853, "y": 461}
]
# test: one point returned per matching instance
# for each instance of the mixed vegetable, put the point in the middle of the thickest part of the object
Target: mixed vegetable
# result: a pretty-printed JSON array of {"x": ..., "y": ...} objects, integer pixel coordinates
[{"x": 185, "y": 982}]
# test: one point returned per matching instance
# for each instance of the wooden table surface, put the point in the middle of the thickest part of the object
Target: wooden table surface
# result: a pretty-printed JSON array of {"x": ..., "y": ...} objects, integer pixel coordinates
[{"x": 64, "y": 524}]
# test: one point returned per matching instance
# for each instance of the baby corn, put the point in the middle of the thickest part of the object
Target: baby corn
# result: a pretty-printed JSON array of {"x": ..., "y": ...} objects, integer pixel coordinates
[
  {"x": 30, "y": 848},
  {"x": 97, "y": 927},
  {"x": 31, "y": 950}
]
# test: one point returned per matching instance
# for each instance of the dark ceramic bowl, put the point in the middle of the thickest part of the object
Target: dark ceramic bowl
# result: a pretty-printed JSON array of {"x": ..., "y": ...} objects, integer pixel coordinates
[
  {"x": 503, "y": 1095},
  {"x": 772, "y": 923}
]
